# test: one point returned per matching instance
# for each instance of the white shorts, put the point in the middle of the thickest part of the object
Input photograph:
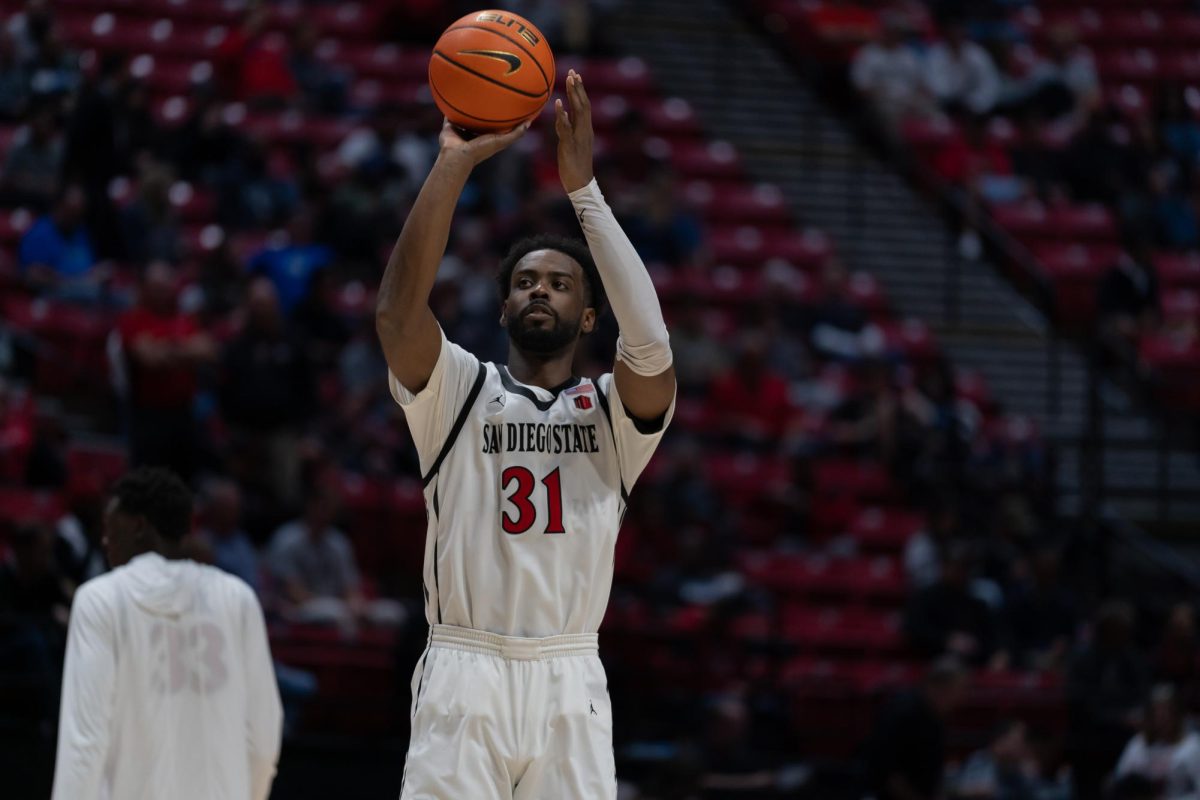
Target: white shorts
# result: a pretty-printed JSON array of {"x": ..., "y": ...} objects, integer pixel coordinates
[{"x": 504, "y": 718}]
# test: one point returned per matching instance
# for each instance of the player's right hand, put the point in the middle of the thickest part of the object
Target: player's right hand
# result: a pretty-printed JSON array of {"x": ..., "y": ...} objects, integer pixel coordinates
[{"x": 480, "y": 148}]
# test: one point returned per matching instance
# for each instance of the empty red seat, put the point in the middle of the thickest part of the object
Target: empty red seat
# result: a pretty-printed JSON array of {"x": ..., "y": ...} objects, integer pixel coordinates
[
  {"x": 714, "y": 160},
  {"x": 723, "y": 203},
  {"x": 19, "y": 505},
  {"x": 93, "y": 467},
  {"x": 1138, "y": 65},
  {"x": 866, "y": 480},
  {"x": 1178, "y": 270},
  {"x": 628, "y": 76}
]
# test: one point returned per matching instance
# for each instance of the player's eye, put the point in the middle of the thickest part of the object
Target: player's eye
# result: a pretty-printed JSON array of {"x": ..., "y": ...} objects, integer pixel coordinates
[
  {"x": 561, "y": 286},
  {"x": 524, "y": 283}
]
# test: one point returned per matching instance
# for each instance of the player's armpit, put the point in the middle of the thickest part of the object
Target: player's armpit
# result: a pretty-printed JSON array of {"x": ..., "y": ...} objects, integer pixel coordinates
[
  {"x": 411, "y": 350},
  {"x": 646, "y": 398}
]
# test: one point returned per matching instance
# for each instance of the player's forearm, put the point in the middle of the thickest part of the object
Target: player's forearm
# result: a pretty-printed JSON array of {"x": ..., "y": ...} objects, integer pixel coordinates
[
  {"x": 643, "y": 344},
  {"x": 412, "y": 268}
]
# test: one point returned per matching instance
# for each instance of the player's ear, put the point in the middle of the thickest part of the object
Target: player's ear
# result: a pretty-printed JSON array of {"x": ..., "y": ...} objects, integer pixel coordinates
[
  {"x": 588, "y": 323},
  {"x": 503, "y": 317}
]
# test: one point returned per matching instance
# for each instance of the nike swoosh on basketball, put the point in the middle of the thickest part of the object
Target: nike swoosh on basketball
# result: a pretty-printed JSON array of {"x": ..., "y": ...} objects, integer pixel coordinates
[{"x": 513, "y": 60}]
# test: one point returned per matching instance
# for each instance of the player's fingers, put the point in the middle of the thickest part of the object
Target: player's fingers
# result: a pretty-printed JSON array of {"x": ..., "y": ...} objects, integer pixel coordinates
[
  {"x": 585, "y": 105},
  {"x": 562, "y": 123}
]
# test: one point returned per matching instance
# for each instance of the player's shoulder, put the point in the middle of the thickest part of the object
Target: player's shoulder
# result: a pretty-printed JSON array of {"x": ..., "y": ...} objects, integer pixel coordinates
[{"x": 225, "y": 582}]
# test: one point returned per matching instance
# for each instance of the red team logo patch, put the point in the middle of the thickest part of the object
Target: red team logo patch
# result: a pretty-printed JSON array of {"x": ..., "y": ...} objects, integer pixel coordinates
[{"x": 581, "y": 392}]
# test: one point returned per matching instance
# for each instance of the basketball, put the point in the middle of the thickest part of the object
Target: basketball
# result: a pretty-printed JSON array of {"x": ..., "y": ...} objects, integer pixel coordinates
[{"x": 491, "y": 71}]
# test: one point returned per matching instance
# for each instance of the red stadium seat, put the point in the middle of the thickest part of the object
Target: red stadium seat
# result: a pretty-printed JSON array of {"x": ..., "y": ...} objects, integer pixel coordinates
[
  {"x": 713, "y": 160},
  {"x": 865, "y": 480},
  {"x": 1178, "y": 270},
  {"x": 763, "y": 205}
]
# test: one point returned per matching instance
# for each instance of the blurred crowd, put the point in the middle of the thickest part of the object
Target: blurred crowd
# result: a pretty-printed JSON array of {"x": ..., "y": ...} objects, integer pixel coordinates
[
  {"x": 1036, "y": 126},
  {"x": 235, "y": 279}
]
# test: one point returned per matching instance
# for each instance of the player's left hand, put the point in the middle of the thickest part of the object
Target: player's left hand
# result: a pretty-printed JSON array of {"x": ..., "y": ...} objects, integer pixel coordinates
[{"x": 575, "y": 136}]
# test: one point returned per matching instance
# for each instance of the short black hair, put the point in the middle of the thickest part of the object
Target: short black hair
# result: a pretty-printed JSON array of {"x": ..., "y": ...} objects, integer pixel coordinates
[
  {"x": 159, "y": 496},
  {"x": 576, "y": 249}
]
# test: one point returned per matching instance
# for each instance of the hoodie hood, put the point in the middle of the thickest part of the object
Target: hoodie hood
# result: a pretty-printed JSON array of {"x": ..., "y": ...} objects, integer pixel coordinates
[{"x": 163, "y": 587}]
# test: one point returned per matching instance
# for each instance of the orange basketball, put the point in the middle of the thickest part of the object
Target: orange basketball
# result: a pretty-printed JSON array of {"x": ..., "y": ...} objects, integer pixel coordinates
[{"x": 491, "y": 71}]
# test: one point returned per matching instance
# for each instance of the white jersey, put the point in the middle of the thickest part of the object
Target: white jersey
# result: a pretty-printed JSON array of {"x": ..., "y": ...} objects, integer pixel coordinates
[
  {"x": 169, "y": 689},
  {"x": 525, "y": 489}
]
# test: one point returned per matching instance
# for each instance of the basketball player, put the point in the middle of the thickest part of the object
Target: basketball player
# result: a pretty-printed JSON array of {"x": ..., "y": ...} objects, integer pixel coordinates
[
  {"x": 168, "y": 689},
  {"x": 527, "y": 468}
]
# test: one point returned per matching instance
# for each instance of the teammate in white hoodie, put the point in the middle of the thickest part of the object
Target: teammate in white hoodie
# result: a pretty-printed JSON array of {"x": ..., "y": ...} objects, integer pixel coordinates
[{"x": 168, "y": 689}]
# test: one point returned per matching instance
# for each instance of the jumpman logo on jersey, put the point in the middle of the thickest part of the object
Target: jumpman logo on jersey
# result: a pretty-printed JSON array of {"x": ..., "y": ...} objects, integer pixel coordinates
[{"x": 592, "y": 709}]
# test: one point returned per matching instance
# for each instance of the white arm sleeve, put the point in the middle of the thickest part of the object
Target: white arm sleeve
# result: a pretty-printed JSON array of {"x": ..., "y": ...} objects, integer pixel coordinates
[
  {"x": 643, "y": 343},
  {"x": 264, "y": 711},
  {"x": 89, "y": 688}
]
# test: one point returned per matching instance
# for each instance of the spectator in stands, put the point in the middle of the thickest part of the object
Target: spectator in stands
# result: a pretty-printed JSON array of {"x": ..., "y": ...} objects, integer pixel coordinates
[
  {"x": 1107, "y": 682},
  {"x": 960, "y": 73},
  {"x": 978, "y": 165},
  {"x": 16, "y": 432},
  {"x": 291, "y": 266},
  {"x": 253, "y": 65},
  {"x": 924, "y": 551},
  {"x": 1065, "y": 81},
  {"x": 56, "y": 254},
  {"x": 838, "y": 321},
  {"x": 889, "y": 74},
  {"x": 699, "y": 358},
  {"x": 325, "y": 331},
  {"x": 1004, "y": 770},
  {"x": 1042, "y": 614},
  {"x": 221, "y": 535},
  {"x": 31, "y": 585},
  {"x": 1098, "y": 166},
  {"x": 1165, "y": 751},
  {"x": 31, "y": 170},
  {"x": 14, "y": 80},
  {"x": 735, "y": 768},
  {"x": 164, "y": 349},
  {"x": 1178, "y": 126},
  {"x": 906, "y": 751},
  {"x": 946, "y": 618},
  {"x": 322, "y": 84},
  {"x": 219, "y": 282},
  {"x": 268, "y": 393},
  {"x": 663, "y": 232},
  {"x": 874, "y": 422},
  {"x": 151, "y": 226},
  {"x": 630, "y": 158},
  {"x": 1128, "y": 302},
  {"x": 55, "y": 69},
  {"x": 28, "y": 28},
  {"x": 1177, "y": 657},
  {"x": 749, "y": 403},
  {"x": 312, "y": 564},
  {"x": 95, "y": 153}
]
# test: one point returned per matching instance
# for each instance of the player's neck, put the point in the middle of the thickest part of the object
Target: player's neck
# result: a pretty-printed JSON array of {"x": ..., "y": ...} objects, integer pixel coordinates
[{"x": 545, "y": 372}]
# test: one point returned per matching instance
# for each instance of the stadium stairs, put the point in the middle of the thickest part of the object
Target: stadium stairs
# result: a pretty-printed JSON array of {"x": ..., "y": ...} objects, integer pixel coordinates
[{"x": 748, "y": 93}]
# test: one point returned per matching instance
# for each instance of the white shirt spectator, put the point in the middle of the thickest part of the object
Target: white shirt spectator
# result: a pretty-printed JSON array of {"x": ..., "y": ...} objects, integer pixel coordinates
[
  {"x": 891, "y": 76},
  {"x": 1175, "y": 765},
  {"x": 965, "y": 75}
]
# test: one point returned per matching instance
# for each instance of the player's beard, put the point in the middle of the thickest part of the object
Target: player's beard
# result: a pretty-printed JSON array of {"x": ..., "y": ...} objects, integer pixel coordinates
[{"x": 544, "y": 340}]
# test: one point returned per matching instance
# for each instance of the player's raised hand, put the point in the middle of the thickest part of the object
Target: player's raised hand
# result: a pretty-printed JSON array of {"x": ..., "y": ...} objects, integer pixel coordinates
[
  {"x": 574, "y": 128},
  {"x": 479, "y": 148}
]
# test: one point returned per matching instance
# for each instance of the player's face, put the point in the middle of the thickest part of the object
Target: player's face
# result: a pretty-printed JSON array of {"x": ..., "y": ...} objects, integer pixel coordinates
[
  {"x": 122, "y": 534},
  {"x": 546, "y": 310}
]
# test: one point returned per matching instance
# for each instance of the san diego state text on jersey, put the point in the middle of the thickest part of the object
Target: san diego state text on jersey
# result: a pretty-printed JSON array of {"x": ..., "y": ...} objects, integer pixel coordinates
[{"x": 539, "y": 437}]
